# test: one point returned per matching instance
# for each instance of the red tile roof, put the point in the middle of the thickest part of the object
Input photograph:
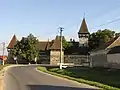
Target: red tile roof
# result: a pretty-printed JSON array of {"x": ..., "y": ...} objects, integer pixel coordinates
[{"x": 12, "y": 42}]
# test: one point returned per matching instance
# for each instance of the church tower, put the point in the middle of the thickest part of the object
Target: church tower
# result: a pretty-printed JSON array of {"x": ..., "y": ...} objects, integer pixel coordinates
[{"x": 83, "y": 34}]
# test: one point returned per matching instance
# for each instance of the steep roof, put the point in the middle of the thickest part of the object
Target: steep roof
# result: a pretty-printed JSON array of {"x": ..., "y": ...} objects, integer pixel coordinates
[
  {"x": 83, "y": 27},
  {"x": 56, "y": 44},
  {"x": 114, "y": 43},
  {"x": 44, "y": 45},
  {"x": 12, "y": 42},
  {"x": 52, "y": 45}
]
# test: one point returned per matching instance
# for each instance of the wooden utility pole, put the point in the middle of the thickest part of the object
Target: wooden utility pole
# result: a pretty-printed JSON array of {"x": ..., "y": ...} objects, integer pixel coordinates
[{"x": 61, "y": 61}]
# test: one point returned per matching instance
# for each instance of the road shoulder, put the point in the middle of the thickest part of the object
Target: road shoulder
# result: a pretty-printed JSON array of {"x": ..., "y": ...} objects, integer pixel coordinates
[{"x": 58, "y": 77}]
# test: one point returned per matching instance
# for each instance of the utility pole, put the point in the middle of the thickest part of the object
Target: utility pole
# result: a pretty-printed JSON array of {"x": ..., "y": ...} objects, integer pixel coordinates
[
  {"x": 3, "y": 52},
  {"x": 61, "y": 61}
]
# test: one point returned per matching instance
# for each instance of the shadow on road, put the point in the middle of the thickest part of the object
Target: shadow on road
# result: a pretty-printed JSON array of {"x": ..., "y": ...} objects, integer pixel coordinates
[{"x": 48, "y": 87}]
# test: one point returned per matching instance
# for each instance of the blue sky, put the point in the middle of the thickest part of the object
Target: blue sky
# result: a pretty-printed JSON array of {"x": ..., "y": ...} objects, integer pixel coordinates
[{"x": 43, "y": 17}]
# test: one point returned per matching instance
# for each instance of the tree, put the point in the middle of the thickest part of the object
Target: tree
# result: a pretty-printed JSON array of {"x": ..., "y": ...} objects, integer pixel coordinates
[
  {"x": 99, "y": 37},
  {"x": 32, "y": 51},
  {"x": 26, "y": 48},
  {"x": 66, "y": 44},
  {"x": 117, "y": 34},
  {"x": 16, "y": 50}
]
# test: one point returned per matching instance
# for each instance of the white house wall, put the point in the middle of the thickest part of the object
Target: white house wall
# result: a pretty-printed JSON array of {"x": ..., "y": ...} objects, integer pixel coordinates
[{"x": 114, "y": 60}]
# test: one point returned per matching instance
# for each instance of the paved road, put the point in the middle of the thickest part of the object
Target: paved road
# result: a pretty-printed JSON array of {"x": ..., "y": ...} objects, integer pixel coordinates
[{"x": 28, "y": 78}]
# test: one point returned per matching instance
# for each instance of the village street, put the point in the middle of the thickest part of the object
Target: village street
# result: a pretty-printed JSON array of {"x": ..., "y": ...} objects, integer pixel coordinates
[{"x": 28, "y": 78}]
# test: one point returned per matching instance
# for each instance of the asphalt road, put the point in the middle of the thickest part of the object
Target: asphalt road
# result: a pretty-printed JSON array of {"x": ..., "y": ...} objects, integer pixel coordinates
[{"x": 28, "y": 78}]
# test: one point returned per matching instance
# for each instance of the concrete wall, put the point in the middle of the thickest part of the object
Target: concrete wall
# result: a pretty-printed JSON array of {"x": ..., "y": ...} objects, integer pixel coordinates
[
  {"x": 99, "y": 60},
  {"x": 114, "y": 60},
  {"x": 55, "y": 57}
]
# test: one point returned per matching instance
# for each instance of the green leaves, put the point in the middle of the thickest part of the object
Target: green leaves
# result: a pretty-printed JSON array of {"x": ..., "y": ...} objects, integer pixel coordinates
[
  {"x": 66, "y": 44},
  {"x": 26, "y": 48},
  {"x": 100, "y": 37}
]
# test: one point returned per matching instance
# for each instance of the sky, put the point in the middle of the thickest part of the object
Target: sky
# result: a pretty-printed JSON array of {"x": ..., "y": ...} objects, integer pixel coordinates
[{"x": 42, "y": 18}]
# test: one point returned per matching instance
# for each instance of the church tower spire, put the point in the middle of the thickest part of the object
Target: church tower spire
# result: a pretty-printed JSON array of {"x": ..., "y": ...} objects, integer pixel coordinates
[{"x": 83, "y": 34}]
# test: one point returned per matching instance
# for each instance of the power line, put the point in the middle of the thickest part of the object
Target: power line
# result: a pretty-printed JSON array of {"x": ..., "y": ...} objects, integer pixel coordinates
[{"x": 108, "y": 23}]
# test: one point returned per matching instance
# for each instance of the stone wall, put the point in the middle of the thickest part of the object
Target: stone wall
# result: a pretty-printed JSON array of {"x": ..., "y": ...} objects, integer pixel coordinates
[
  {"x": 55, "y": 57},
  {"x": 44, "y": 59},
  {"x": 76, "y": 59}
]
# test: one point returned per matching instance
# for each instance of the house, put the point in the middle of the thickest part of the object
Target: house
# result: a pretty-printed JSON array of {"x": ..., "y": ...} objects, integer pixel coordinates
[
  {"x": 107, "y": 55},
  {"x": 50, "y": 51},
  {"x": 10, "y": 47}
]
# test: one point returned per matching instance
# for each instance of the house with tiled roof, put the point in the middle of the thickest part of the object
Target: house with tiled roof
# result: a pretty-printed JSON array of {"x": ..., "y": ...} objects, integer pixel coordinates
[
  {"x": 11, "y": 46},
  {"x": 50, "y": 51},
  {"x": 107, "y": 55}
]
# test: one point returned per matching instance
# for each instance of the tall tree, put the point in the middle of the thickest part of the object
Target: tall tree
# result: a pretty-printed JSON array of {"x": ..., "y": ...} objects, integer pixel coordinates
[
  {"x": 117, "y": 34},
  {"x": 66, "y": 44},
  {"x": 26, "y": 48},
  {"x": 101, "y": 36}
]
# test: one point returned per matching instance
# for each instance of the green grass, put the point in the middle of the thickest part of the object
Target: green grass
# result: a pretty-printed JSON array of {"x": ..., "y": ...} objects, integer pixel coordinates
[{"x": 100, "y": 77}]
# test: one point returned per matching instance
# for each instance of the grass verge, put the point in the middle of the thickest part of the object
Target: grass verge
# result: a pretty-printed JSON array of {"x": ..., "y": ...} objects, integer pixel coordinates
[{"x": 69, "y": 75}]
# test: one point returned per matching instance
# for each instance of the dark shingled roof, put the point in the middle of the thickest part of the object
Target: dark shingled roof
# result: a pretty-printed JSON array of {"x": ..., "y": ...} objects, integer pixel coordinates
[
  {"x": 44, "y": 45},
  {"x": 56, "y": 44},
  {"x": 114, "y": 50},
  {"x": 12, "y": 42},
  {"x": 83, "y": 28},
  {"x": 112, "y": 43},
  {"x": 50, "y": 45}
]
